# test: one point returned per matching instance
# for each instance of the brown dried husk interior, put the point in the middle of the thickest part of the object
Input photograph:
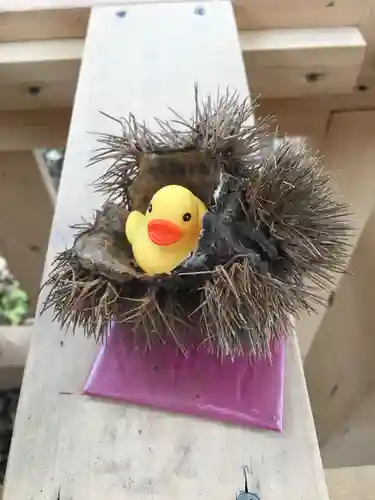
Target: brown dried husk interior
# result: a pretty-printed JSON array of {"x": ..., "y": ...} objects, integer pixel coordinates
[
  {"x": 241, "y": 304},
  {"x": 97, "y": 281}
]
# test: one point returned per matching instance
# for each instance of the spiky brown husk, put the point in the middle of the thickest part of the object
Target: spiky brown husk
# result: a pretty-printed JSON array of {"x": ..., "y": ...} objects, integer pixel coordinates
[
  {"x": 97, "y": 281},
  {"x": 251, "y": 302},
  {"x": 192, "y": 152},
  {"x": 277, "y": 234}
]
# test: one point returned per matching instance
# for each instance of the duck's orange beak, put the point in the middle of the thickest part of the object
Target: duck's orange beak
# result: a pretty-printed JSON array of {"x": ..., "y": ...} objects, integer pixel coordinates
[{"x": 163, "y": 232}]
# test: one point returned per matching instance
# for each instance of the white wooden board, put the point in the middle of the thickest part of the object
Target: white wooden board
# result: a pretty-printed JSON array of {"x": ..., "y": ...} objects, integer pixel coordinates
[{"x": 144, "y": 62}]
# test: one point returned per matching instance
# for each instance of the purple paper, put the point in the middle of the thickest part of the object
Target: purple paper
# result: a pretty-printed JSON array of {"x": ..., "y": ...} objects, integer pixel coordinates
[{"x": 198, "y": 384}]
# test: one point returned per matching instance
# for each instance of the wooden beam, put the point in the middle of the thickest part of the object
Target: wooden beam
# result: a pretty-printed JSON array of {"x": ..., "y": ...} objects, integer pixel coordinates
[
  {"x": 40, "y": 5},
  {"x": 354, "y": 443},
  {"x": 279, "y": 62},
  {"x": 25, "y": 130},
  {"x": 294, "y": 114},
  {"x": 46, "y": 19},
  {"x": 36, "y": 62},
  {"x": 310, "y": 117},
  {"x": 52, "y": 94},
  {"x": 348, "y": 142},
  {"x": 298, "y": 117},
  {"x": 270, "y": 14},
  {"x": 250, "y": 14},
  {"x": 40, "y": 24},
  {"x": 287, "y": 109},
  {"x": 348, "y": 483},
  {"x": 297, "y": 62},
  {"x": 339, "y": 366},
  {"x": 67, "y": 437},
  {"x": 26, "y": 213},
  {"x": 39, "y": 74}
]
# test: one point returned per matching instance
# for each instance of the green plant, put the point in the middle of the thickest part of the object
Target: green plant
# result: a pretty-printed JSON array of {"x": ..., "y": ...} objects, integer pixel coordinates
[
  {"x": 13, "y": 300},
  {"x": 13, "y": 306}
]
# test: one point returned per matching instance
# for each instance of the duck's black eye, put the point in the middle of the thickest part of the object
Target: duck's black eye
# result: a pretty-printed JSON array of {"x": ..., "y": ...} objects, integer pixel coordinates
[
  {"x": 187, "y": 217},
  {"x": 149, "y": 208}
]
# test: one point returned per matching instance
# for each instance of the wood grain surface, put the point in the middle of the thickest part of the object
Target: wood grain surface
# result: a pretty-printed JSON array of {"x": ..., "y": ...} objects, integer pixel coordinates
[
  {"x": 26, "y": 213},
  {"x": 342, "y": 340}
]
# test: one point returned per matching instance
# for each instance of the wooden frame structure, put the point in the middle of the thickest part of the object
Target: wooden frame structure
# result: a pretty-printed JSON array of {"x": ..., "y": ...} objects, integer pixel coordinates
[{"x": 312, "y": 64}]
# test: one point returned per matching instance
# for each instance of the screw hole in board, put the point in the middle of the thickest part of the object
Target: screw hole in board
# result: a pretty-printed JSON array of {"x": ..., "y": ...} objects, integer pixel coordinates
[
  {"x": 199, "y": 11},
  {"x": 314, "y": 77}
]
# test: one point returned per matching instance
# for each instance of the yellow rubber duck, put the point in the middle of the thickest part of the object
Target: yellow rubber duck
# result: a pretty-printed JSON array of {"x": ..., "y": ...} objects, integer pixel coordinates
[{"x": 163, "y": 237}]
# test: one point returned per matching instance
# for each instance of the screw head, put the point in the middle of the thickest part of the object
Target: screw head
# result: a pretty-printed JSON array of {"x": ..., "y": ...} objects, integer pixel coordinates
[
  {"x": 34, "y": 89},
  {"x": 245, "y": 495},
  {"x": 362, "y": 88},
  {"x": 314, "y": 77},
  {"x": 199, "y": 11},
  {"x": 121, "y": 13}
]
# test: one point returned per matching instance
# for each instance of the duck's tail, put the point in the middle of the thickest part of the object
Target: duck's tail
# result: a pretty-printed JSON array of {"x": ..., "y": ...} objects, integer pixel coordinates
[{"x": 133, "y": 224}]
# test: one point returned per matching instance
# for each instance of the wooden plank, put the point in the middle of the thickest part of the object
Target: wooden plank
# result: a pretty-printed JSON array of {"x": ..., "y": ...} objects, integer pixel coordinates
[
  {"x": 348, "y": 142},
  {"x": 55, "y": 94},
  {"x": 295, "y": 82},
  {"x": 43, "y": 24},
  {"x": 297, "y": 117},
  {"x": 25, "y": 130},
  {"x": 39, "y": 74},
  {"x": 46, "y": 19},
  {"x": 52, "y": 94},
  {"x": 260, "y": 14},
  {"x": 351, "y": 482},
  {"x": 91, "y": 449},
  {"x": 309, "y": 117},
  {"x": 358, "y": 100},
  {"x": 251, "y": 14},
  {"x": 267, "y": 15},
  {"x": 25, "y": 218},
  {"x": 40, "y": 5},
  {"x": 279, "y": 62},
  {"x": 295, "y": 62},
  {"x": 342, "y": 349},
  {"x": 319, "y": 41},
  {"x": 343, "y": 341},
  {"x": 367, "y": 76},
  {"x": 270, "y": 14},
  {"x": 354, "y": 443},
  {"x": 34, "y": 62}
]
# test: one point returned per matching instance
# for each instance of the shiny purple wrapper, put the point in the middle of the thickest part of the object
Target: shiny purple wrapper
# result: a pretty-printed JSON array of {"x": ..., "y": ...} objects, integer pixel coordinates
[{"x": 197, "y": 384}]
